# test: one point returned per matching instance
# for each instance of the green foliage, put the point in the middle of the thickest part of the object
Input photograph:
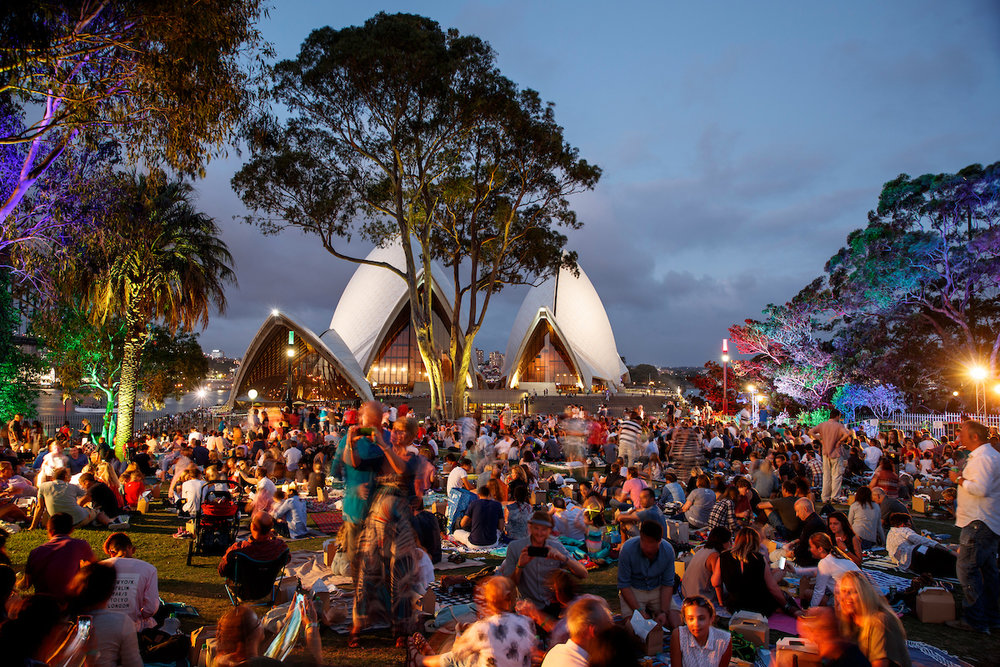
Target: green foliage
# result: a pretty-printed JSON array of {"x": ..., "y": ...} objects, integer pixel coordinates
[
  {"x": 400, "y": 132},
  {"x": 169, "y": 79},
  {"x": 910, "y": 301},
  {"x": 931, "y": 250},
  {"x": 172, "y": 365},
  {"x": 18, "y": 369},
  {"x": 156, "y": 261},
  {"x": 813, "y": 417}
]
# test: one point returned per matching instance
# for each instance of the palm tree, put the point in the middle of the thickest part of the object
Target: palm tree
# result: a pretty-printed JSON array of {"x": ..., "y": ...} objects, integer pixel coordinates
[{"x": 163, "y": 261}]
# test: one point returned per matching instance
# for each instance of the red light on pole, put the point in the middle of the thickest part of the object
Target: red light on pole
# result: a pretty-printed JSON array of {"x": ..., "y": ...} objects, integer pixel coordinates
[{"x": 725, "y": 364}]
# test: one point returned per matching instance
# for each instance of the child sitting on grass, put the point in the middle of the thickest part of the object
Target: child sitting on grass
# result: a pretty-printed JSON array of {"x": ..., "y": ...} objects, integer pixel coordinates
[
  {"x": 698, "y": 641},
  {"x": 134, "y": 488}
]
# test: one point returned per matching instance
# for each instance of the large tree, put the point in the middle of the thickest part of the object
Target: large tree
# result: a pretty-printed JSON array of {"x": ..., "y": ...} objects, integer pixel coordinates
[
  {"x": 400, "y": 132},
  {"x": 170, "y": 79},
  {"x": 87, "y": 357},
  {"x": 45, "y": 228},
  {"x": 931, "y": 250},
  {"x": 159, "y": 260},
  {"x": 788, "y": 350},
  {"x": 497, "y": 209},
  {"x": 18, "y": 369}
]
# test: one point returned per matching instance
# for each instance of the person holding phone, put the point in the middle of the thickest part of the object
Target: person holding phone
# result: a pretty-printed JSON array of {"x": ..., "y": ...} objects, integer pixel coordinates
[{"x": 530, "y": 562}]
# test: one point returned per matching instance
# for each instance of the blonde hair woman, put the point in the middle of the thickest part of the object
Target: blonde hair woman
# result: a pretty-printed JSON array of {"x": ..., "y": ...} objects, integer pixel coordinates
[{"x": 866, "y": 617}]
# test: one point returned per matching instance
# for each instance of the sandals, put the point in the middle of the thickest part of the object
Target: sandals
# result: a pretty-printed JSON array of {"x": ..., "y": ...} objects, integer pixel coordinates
[
  {"x": 456, "y": 558},
  {"x": 416, "y": 646},
  {"x": 353, "y": 640}
]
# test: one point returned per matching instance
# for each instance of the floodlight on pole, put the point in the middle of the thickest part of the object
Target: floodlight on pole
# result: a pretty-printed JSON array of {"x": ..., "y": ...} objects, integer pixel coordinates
[
  {"x": 979, "y": 374},
  {"x": 275, "y": 312}
]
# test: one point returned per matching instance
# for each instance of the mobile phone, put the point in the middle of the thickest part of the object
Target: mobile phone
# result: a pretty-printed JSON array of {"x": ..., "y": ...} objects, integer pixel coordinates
[
  {"x": 538, "y": 552},
  {"x": 781, "y": 563},
  {"x": 367, "y": 430}
]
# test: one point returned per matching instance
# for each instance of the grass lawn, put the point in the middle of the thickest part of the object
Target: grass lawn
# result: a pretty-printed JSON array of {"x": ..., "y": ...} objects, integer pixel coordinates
[{"x": 201, "y": 587}]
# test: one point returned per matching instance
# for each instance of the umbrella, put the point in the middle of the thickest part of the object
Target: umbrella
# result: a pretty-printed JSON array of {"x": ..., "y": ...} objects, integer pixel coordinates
[{"x": 299, "y": 403}]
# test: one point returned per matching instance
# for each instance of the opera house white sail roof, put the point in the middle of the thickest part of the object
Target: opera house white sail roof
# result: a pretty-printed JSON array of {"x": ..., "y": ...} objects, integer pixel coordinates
[
  {"x": 374, "y": 297},
  {"x": 321, "y": 369},
  {"x": 570, "y": 305},
  {"x": 561, "y": 340}
]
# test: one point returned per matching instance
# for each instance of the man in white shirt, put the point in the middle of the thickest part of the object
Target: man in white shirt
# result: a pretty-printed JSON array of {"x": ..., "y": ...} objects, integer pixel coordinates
[
  {"x": 978, "y": 515},
  {"x": 502, "y": 446},
  {"x": 872, "y": 455},
  {"x": 51, "y": 462},
  {"x": 459, "y": 476},
  {"x": 195, "y": 434},
  {"x": 292, "y": 457},
  {"x": 927, "y": 442},
  {"x": 587, "y": 616}
]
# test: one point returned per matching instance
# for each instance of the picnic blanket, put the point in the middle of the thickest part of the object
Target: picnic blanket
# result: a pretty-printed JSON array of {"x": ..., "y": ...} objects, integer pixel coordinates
[
  {"x": 328, "y": 522},
  {"x": 308, "y": 567}
]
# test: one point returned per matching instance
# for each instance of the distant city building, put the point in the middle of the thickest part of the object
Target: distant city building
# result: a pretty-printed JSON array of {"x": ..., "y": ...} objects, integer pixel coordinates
[
  {"x": 480, "y": 357},
  {"x": 216, "y": 354},
  {"x": 496, "y": 359}
]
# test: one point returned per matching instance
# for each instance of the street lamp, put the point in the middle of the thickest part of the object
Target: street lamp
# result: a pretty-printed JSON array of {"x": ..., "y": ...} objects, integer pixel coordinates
[
  {"x": 288, "y": 385},
  {"x": 725, "y": 363},
  {"x": 252, "y": 394},
  {"x": 753, "y": 404}
]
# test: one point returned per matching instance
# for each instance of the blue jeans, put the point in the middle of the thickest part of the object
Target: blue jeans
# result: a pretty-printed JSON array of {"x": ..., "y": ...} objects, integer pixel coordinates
[{"x": 977, "y": 572}]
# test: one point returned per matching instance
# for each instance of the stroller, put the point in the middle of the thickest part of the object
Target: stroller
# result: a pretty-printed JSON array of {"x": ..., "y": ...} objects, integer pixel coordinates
[{"x": 217, "y": 519}]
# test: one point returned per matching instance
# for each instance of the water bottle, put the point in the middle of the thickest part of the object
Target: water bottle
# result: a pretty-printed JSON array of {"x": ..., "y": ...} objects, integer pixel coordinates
[{"x": 172, "y": 625}]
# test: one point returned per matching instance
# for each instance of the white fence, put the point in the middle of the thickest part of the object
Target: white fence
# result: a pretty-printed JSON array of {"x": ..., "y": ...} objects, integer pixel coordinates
[{"x": 937, "y": 423}]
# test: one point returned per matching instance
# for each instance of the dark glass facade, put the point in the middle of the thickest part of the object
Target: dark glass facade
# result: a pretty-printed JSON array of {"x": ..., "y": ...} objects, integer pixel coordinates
[
  {"x": 397, "y": 365},
  {"x": 313, "y": 377},
  {"x": 545, "y": 359}
]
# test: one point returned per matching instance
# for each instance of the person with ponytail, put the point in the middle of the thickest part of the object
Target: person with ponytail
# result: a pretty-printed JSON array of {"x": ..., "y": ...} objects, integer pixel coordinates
[{"x": 833, "y": 564}]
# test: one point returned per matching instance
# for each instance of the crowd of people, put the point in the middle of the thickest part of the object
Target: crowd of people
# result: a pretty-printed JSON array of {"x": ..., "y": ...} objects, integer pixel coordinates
[{"x": 645, "y": 483}]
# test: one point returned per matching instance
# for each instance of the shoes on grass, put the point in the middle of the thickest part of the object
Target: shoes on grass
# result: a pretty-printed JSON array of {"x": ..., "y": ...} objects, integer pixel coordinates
[{"x": 962, "y": 624}]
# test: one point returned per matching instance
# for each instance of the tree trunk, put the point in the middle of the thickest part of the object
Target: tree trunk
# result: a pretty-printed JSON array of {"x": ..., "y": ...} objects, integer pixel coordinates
[
  {"x": 128, "y": 387},
  {"x": 108, "y": 429},
  {"x": 461, "y": 367}
]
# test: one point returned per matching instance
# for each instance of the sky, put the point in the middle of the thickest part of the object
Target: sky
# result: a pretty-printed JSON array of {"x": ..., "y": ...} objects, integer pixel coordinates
[{"x": 740, "y": 143}]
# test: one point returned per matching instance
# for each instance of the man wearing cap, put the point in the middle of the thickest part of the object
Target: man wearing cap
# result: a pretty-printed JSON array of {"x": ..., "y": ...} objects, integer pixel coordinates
[{"x": 531, "y": 560}]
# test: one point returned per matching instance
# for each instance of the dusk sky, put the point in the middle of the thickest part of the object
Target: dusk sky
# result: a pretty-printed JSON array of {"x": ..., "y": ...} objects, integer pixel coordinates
[{"x": 740, "y": 142}]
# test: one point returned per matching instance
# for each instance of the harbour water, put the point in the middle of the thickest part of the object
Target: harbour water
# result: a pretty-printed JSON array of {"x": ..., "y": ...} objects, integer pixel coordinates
[{"x": 52, "y": 412}]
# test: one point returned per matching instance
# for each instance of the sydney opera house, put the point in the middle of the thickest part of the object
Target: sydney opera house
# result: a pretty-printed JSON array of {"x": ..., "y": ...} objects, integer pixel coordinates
[{"x": 560, "y": 341}]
